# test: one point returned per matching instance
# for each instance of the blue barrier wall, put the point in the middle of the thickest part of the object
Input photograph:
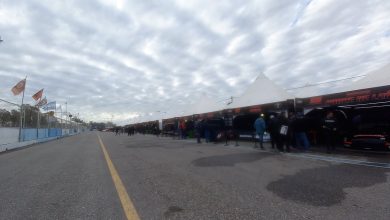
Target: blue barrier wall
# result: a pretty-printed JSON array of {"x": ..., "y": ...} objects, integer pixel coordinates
[
  {"x": 43, "y": 133},
  {"x": 55, "y": 132},
  {"x": 29, "y": 134}
]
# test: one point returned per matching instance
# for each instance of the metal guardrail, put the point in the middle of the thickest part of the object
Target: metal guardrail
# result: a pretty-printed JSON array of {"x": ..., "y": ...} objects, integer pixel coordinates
[{"x": 32, "y": 124}]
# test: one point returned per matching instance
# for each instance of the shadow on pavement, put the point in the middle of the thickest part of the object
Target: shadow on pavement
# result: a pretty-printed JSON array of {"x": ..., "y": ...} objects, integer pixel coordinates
[
  {"x": 229, "y": 159},
  {"x": 154, "y": 145},
  {"x": 325, "y": 186},
  {"x": 172, "y": 210}
]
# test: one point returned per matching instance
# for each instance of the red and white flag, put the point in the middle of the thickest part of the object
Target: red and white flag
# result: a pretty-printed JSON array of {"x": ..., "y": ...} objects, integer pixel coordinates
[
  {"x": 18, "y": 88},
  {"x": 38, "y": 95},
  {"x": 42, "y": 102}
]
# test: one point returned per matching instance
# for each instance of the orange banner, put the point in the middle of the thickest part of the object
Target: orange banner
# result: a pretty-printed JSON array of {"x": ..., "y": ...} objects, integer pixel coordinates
[
  {"x": 38, "y": 95},
  {"x": 18, "y": 88}
]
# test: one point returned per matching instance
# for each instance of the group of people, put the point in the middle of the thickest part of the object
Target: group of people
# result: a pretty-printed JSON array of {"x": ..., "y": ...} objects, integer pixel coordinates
[
  {"x": 182, "y": 129},
  {"x": 283, "y": 132},
  {"x": 130, "y": 131},
  {"x": 202, "y": 128},
  {"x": 286, "y": 132}
]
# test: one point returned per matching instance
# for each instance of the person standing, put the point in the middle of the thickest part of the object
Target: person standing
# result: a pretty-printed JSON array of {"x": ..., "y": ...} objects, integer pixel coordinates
[
  {"x": 300, "y": 127},
  {"x": 183, "y": 128},
  {"x": 290, "y": 136},
  {"x": 178, "y": 130},
  {"x": 206, "y": 127},
  {"x": 128, "y": 129},
  {"x": 329, "y": 126},
  {"x": 273, "y": 131},
  {"x": 282, "y": 137},
  {"x": 260, "y": 127},
  {"x": 198, "y": 130}
]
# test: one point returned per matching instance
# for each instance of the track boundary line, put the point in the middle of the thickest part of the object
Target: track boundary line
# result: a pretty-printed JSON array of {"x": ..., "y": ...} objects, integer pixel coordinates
[
  {"x": 342, "y": 160},
  {"x": 127, "y": 204}
]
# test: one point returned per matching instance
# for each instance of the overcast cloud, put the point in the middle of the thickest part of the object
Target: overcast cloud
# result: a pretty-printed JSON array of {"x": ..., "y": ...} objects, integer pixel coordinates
[{"x": 131, "y": 58}]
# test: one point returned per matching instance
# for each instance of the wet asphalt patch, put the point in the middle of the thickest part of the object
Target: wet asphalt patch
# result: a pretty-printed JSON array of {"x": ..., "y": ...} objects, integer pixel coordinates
[
  {"x": 325, "y": 186},
  {"x": 371, "y": 163},
  {"x": 230, "y": 160},
  {"x": 172, "y": 210}
]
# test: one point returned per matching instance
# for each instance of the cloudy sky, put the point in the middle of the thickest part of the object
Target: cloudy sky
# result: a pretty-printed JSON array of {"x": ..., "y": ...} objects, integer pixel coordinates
[{"x": 133, "y": 58}]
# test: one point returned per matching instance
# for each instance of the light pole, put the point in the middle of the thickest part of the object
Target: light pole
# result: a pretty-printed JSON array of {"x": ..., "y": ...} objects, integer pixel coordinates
[{"x": 66, "y": 114}]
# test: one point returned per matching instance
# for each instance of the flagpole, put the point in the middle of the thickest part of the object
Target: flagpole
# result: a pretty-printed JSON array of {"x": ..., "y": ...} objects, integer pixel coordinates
[
  {"x": 66, "y": 116},
  {"x": 61, "y": 122},
  {"x": 38, "y": 118},
  {"x": 21, "y": 112}
]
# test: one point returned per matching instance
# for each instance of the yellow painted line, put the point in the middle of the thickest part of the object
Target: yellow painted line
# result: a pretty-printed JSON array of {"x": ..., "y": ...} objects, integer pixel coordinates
[{"x": 127, "y": 204}]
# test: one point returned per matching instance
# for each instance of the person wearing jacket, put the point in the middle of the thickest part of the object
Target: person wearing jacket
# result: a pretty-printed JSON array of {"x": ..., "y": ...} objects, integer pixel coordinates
[
  {"x": 300, "y": 127},
  {"x": 329, "y": 126},
  {"x": 198, "y": 130},
  {"x": 273, "y": 129},
  {"x": 282, "y": 138},
  {"x": 260, "y": 127},
  {"x": 206, "y": 129}
]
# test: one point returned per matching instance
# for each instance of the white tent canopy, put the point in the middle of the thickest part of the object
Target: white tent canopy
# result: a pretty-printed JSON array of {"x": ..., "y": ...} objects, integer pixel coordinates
[
  {"x": 377, "y": 78},
  {"x": 204, "y": 105},
  {"x": 317, "y": 90},
  {"x": 172, "y": 113},
  {"x": 261, "y": 91}
]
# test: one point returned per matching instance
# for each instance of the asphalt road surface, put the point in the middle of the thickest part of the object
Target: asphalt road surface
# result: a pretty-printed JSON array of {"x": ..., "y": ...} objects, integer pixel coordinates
[{"x": 147, "y": 177}]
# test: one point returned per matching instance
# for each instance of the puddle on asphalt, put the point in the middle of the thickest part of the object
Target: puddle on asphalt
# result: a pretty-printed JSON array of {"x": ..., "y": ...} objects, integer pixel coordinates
[
  {"x": 172, "y": 210},
  {"x": 229, "y": 159},
  {"x": 325, "y": 186}
]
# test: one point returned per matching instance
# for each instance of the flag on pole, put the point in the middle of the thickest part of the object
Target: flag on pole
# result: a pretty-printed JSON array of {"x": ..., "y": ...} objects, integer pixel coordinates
[
  {"x": 50, "y": 106},
  {"x": 18, "y": 88},
  {"x": 42, "y": 102},
  {"x": 38, "y": 95}
]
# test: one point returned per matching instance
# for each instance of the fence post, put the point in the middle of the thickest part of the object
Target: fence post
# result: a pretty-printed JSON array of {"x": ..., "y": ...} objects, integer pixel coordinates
[
  {"x": 38, "y": 118},
  {"x": 21, "y": 123}
]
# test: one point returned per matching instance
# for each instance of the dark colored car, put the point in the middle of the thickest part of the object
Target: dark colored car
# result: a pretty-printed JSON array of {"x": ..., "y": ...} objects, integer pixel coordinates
[
  {"x": 369, "y": 132},
  {"x": 368, "y": 142},
  {"x": 373, "y": 136},
  {"x": 243, "y": 124}
]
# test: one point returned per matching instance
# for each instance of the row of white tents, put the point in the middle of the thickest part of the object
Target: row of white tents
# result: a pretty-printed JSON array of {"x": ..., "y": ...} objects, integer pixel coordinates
[{"x": 264, "y": 91}]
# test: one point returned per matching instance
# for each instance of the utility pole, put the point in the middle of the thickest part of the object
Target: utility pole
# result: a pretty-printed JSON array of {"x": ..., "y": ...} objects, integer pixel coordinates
[
  {"x": 38, "y": 118},
  {"x": 22, "y": 115},
  {"x": 66, "y": 114}
]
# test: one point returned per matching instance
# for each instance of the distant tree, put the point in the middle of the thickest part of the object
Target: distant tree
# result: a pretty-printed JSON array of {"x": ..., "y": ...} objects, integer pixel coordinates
[
  {"x": 30, "y": 116},
  {"x": 5, "y": 118},
  {"x": 15, "y": 118},
  {"x": 109, "y": 124},
  {"x": 99, "y": 125}
]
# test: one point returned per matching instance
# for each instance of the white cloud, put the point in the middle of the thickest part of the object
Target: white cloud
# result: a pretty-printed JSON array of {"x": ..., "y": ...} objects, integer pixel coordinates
[{"x": 131, "y": 58}]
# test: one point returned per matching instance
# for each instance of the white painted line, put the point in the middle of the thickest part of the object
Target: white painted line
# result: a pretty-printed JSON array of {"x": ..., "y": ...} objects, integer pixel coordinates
[{"x": 342, "y": 160}]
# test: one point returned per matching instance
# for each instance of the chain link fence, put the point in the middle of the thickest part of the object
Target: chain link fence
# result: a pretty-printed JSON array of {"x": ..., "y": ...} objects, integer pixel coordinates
[
  {"x": 9, "y": 122},
  {"x": 27, "y": 123}
]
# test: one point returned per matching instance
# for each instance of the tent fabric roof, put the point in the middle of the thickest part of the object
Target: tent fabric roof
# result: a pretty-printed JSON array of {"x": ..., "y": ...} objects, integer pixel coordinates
[
  {"x": 376, "y": 78},
  {"x": 204, "y": 105},
  {"x": 317, "y": 90},
  {"x": 261, "y": 91}
]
